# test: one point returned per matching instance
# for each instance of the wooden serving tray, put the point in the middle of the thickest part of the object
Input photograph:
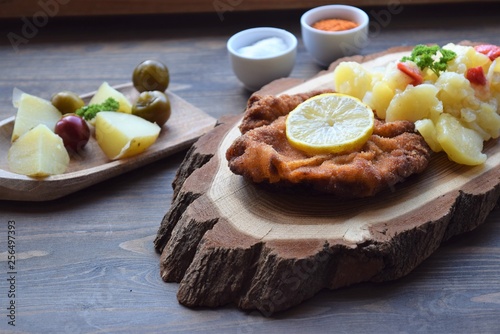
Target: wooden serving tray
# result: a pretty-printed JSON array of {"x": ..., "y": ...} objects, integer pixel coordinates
[
  {"x": 229, "y": 241},
  {"x": 186, "y": 124}
]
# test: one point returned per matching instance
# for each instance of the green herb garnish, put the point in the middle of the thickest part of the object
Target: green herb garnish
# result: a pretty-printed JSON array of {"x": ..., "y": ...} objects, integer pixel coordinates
[
  {"x": 90, "y": 111},
  {"x": 424, "y": 57}
]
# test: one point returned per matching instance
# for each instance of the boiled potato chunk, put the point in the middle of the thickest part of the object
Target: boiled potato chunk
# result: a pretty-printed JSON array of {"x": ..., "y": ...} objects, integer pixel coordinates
[
  {"x": 493, "y": 75},
  {"x": 467, "y": 57},
  {"x": 380, "y": 98},
  {"x": 32, "y": 111},
  {"x": 463, "y": 145},
  {"x": 427, "y": 129},
  {"x": 489, "y": 120},
  {"x": 38, "y": 153},
  {"x": 353, "y": 79},
  {"x": 414, "y": 103},
  {"x": 105, "y": 91},
  {"x": 395, "y": 78},
  {"x": 455, "y": 92},
  {"x": 124, "y": 135}
]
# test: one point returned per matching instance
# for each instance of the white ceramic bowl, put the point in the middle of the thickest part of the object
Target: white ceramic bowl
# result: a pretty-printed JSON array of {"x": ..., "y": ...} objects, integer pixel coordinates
[
  {"x": 327, "y": 46},
  {"x": 257, "y": 71}
]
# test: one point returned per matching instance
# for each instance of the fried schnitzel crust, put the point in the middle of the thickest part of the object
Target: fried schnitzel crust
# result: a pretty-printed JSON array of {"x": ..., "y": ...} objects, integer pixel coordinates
[{"x": 262, "y": 154}]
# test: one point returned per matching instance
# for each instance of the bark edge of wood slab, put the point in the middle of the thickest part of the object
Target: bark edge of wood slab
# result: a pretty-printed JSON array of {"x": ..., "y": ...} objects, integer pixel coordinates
[{"x": 227, "y": 241}]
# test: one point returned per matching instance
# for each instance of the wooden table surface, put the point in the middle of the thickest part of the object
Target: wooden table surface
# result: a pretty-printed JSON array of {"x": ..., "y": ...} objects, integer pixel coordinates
[{"x": 85, "y": 263}]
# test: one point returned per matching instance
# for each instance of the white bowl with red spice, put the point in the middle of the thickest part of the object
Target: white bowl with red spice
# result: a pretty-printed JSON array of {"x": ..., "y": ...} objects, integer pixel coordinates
[
  {"x": 334, "y": 31},
  {"x": 261, "y": 55}
]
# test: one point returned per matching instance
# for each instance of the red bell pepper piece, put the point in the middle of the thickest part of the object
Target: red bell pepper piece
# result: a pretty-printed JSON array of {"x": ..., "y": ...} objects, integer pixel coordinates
[
  {"x": 476, "y": 75},
  {"x": 413, "y": 73},
  {"x": 492, "y": 51}
]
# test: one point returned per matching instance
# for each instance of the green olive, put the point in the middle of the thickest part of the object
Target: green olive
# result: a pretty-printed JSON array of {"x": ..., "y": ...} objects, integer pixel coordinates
[
  {"x": 67, "y": 102},
  {"x": 151, "y": 75},
  {"x": 153, "y": 106}
]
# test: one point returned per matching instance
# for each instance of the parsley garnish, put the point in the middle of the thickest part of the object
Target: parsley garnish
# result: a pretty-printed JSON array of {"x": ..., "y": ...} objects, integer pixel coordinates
[
  {"x": 90, "y": 111},
  {"x": 424, "y": 57}
]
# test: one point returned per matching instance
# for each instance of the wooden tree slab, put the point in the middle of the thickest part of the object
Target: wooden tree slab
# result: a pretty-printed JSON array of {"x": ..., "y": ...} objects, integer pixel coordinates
[{"x": 229, "y": 241}]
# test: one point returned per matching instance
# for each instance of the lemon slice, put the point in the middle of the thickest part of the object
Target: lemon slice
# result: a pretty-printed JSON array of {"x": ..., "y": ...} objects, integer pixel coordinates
[{"x": 329, "y": 123}]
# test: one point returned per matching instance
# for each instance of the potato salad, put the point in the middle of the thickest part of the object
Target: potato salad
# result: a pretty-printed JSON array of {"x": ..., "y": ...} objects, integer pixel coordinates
[{"x": 451, "y": 93}]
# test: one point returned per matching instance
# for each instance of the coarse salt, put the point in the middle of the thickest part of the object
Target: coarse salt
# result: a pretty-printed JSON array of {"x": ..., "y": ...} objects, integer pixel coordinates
[{"x": 267, "y": 47}]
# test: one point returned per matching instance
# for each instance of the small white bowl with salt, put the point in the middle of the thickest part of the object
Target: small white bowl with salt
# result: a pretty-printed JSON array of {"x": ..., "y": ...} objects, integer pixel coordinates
[{"x": 261, "y": 55}]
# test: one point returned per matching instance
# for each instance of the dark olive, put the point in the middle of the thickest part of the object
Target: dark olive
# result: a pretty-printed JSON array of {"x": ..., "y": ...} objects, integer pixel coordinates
[
  {"x": 67, "y": 102},
  {"x": 151, "y": 75},
  {"x": 153, "y": 106},
  {"x": 74, "y": 132}
]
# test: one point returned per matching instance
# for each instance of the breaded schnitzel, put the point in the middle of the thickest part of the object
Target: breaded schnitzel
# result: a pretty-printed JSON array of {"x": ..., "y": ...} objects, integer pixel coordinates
[
  {"x": 263, "y": 110},
  {"x": 262, "y": 154}
]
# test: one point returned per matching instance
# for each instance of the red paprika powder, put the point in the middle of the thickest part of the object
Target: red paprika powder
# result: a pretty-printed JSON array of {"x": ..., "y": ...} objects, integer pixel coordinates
[{"x": 334, "y": 25}]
